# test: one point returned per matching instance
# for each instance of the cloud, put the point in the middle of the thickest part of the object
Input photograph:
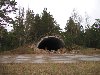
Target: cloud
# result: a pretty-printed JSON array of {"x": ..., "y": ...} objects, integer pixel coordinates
[{"x": 62, "y": 9}]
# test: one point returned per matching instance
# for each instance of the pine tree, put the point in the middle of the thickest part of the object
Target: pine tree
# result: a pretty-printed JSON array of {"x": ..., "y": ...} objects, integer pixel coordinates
[
  {"x": 49, "y": 25},
  {"x": 18, "y": 27},
  {"x": 92, "y": 35},
  {"x": 6, "y": 7},
  {"x": 37, "y": 27},
  {"x": 3, "y": 34},
  {"x": 73, "y": 33},
  {"x": 29, "y": 26}
]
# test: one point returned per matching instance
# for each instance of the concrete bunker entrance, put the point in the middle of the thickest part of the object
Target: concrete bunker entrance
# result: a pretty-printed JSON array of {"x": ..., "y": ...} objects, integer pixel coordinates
[{"x": 50, "y": 43}]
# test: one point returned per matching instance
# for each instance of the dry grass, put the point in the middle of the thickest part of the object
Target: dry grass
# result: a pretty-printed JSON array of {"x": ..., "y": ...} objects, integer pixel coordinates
[
  {"x": 90, "y": 51},
  {"x": 80, "y": 68}
]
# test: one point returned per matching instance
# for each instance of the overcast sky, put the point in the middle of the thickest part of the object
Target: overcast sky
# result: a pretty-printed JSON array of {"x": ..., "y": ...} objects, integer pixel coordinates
[{"x": 62, "y": 9}]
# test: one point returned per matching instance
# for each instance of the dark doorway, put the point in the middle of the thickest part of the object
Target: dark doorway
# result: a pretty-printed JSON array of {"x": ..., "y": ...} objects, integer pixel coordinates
[{"x": 51, "y": 43}]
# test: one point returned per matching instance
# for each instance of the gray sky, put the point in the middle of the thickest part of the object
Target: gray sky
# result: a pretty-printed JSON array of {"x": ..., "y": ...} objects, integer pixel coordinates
[{"x": 62, "y": 9}]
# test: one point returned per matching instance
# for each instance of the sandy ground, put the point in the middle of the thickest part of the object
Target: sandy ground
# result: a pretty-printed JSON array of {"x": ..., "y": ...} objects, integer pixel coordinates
[{"x": 54, "y": 58}]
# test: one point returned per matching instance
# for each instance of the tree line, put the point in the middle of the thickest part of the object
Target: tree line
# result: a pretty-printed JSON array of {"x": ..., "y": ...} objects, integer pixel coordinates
[{"x": 29, "y": 27}]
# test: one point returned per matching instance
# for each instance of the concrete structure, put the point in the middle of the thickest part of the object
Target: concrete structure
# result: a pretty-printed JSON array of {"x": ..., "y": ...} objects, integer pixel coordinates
[{"x": 51, "y": 43}]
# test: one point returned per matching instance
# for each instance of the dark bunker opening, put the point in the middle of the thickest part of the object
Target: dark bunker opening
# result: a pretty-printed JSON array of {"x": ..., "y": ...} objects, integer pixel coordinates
[{"x": 51, "y": 43}]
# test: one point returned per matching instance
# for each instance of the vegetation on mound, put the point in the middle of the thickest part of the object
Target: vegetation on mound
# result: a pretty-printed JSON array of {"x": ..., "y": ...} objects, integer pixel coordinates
[{"x": 32, "y": 49}]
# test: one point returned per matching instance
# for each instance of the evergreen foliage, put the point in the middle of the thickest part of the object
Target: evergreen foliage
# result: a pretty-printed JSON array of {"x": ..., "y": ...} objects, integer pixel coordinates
[{"x": 30, "y": 27}]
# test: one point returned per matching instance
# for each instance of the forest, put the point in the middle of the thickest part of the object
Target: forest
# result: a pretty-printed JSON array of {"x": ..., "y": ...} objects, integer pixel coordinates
[{"x": 29, "y": 27}]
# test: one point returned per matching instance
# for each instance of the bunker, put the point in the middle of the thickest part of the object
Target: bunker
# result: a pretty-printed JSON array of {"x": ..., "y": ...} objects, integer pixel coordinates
[{"x": 50, "y": 43}]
